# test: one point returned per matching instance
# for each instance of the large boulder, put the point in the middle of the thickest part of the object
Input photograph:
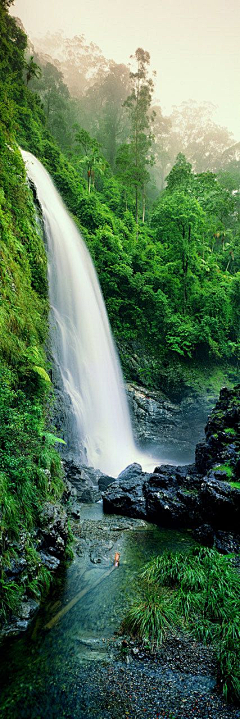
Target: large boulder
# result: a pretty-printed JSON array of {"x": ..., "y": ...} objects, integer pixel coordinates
[
  {"x": 126, "y": 495},
  {"x": 84, "y": 480},
  {"x": 104, "y": 482},
  {"x": 220, "y": 504},
  {"x": 175, "y": 497}
]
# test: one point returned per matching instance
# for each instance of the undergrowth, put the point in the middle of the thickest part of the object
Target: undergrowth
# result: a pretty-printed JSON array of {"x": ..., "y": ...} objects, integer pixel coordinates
[
  {"x": 200, "y": 592},
  {"x": 30, "y": 468}
]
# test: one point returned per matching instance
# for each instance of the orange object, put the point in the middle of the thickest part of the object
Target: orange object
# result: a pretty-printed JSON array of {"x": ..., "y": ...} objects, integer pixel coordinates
[{"x": 116, "y": 559}]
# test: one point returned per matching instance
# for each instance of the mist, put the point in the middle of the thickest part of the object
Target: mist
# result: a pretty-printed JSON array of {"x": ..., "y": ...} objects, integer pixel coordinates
[{"x": 194, "y": 48}]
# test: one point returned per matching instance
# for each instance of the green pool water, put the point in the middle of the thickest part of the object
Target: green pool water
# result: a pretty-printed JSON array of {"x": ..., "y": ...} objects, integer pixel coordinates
[{"x": 40, "y": 672}]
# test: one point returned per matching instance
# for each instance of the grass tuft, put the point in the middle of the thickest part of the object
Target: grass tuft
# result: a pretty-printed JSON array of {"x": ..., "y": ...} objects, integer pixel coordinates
[{"x": 200, "y": 592}]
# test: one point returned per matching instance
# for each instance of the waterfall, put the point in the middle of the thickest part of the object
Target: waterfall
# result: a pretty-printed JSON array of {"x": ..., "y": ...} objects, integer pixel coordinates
[{"x": 82, "y": 343}]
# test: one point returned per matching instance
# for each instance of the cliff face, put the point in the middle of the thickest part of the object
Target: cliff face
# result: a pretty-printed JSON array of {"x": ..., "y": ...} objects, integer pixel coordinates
[{"x": 167, "y": 427}]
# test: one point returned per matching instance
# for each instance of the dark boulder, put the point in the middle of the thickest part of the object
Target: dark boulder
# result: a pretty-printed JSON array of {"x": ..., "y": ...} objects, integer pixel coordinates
[
  {"x": 225, "y": 542},
  {"x": 198, "y": 495},
  {"x": 130, "y": 472},
  {"x": 220, "y": 504},
  {"x": 104, "y": 482},
  {"x": 126, "y": 496},
  {"x": 205, "y": 535},
  {"x": 222, "y": 443},
  {"x": 20, "y": 623}
]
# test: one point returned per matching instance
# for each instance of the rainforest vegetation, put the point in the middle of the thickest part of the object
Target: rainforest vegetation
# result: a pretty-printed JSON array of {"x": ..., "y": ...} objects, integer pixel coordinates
[{"x": 157, "y": 200}]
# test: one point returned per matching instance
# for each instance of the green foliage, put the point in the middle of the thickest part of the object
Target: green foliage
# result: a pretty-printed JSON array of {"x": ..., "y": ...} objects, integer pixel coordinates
[
  {"x": 152, "y": 615},
  {"x": 30, "y": 471},
  {"x": 226, "y": 468},
  {"x": 175, "y": 289},
  {"x": 199, "y": 591}
]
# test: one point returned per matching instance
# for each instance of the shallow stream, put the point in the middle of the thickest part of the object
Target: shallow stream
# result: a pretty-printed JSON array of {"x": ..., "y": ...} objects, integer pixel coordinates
[{"x": 50, "y": 672}]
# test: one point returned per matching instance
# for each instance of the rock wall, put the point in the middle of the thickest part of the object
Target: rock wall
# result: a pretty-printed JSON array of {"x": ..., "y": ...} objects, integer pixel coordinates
[{"x": 167, "y": 426}]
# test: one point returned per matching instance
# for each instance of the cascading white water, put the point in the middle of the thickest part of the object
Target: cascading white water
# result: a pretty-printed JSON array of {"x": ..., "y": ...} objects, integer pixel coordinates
[{"x": 82, "y": 343}]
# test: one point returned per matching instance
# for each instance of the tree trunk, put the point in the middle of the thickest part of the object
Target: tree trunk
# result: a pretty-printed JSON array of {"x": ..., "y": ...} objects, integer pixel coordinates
[
  {"x": 144, "y": 208},
  {"x": 137, "y": 212}
]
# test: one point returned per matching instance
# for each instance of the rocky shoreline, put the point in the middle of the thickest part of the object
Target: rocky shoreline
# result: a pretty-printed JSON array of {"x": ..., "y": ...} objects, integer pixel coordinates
[{"x": 204, "y": 496}]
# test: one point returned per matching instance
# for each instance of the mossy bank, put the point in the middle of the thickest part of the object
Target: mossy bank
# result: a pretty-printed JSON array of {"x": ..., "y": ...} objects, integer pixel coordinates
[{"x": 30, "y": 469}]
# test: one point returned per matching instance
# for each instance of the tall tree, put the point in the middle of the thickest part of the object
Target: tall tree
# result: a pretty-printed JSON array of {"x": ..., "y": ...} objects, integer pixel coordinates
[
  {"x": 90, "y": 155},
  {"x": 138, "y": 104},
  {"x": 32, "y": 69},
  {"x": 106, "y": 116}
]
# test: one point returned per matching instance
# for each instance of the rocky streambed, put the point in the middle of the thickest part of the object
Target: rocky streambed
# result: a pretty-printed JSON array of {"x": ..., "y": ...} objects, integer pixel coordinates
[{"x": 82, "y": 666}]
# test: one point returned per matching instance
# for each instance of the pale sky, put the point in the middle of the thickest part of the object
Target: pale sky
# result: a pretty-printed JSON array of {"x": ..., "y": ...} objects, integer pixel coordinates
[{"x": 194, "y": 44}]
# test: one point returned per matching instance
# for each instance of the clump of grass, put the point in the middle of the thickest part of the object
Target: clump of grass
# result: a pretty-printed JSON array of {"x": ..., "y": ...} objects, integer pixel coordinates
[
  {"x": 151, "y": 615},
  {"x": 235, "y": 484},
  {"x": 225, "y": 468},
  {"x": 200, "y": 592},
  {"x": 10, "y": 595}
]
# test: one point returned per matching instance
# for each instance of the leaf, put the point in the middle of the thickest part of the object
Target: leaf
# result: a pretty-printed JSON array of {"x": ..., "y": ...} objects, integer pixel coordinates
[
  {"x": 42, "y": 373},
  {"x": 52, "y": 439}
]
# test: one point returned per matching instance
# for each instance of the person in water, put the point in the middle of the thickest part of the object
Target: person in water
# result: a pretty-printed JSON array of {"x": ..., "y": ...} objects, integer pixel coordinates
[{"x": 116, "y": 559}]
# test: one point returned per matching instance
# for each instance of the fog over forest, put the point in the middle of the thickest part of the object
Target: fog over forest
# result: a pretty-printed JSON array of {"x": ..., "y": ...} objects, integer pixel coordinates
[{"x": 194, "y": 47}]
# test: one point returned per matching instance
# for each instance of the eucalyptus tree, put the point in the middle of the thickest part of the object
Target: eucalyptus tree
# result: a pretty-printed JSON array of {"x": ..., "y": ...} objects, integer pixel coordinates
[
  {"x": 138, "y": 104},
  {"x": 90, "y": 157},
  {"x": 105, "y": 113}
]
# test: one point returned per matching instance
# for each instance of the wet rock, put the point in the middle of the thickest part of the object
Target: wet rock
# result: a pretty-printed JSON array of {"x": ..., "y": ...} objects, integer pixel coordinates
[
  {"x": 70, "y": 491},
  {"x": 19, "y": 624},
  {"x": 15, "y": 569},
  {"x": 177, "y": 497},
  {"x": 187, "y": 496},
  {"x": 204, "y": 535},
  {"x": 126, "y": 496},
  {"x": 75, "y": 511},
  {"x": 220, "y": 504},
  {"x": 169, "y": 507},
  {"x": 14, "y": 628},
  {"x": 104, "y": 482},
  {"x": 130, "y": 472},
  {"x": 222, "y": 443},
  {"x": 28, "y": 609},
  {"x": 227, "y": 543},
  {"x": 84, "y": 481},
  {"x": 49, "y": 561},
  {"x": 54, "y": 529},
  {"x": 158, "y": 421},
  {"x": 95, "y": 557}
]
